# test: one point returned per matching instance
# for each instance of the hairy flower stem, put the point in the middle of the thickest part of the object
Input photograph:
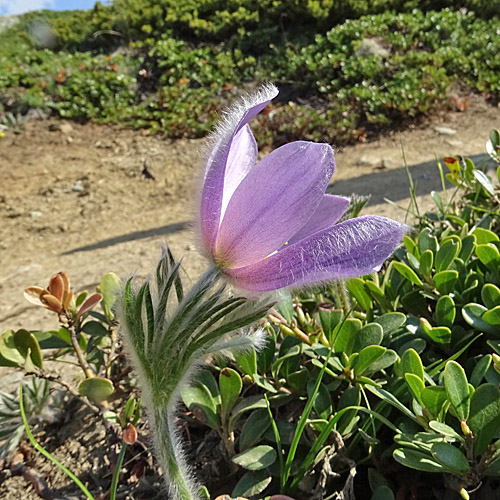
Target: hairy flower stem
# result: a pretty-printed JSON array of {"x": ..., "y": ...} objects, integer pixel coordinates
[{"x": 169, "y": 455}]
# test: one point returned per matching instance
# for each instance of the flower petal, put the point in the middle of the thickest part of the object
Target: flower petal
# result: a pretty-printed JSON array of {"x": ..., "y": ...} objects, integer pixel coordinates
[
  {"x": 213, "y": 185},
  {"x": 329, "y": 211},
  {"x": 354, "y": 247},
  {"x": 273, "y": 202},
  {"x": 242, "y": 157}
]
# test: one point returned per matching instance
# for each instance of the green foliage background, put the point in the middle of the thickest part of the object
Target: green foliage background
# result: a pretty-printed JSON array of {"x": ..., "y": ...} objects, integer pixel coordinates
[{"x": 170, "y": 65}]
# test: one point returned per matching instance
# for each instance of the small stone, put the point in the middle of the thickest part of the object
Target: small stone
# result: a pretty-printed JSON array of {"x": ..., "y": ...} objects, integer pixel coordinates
[
  {"x": 35, "y": 214},
  {"x": 445, "y": 130},
  {"x": 69, "y": 139},
  {"x": 368, "y": 161},
  {"x": 77, "y": 188},
  {"x": 386, "y": 163},
  {"x": 65, "y": 128}
]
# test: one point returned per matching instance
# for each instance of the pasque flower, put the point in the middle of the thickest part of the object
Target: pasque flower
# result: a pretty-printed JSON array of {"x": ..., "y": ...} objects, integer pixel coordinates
[{"x": 269, "y": 224}]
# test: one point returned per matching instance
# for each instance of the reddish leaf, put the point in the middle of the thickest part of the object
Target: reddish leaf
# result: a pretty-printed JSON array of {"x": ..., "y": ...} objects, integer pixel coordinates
[
  {"x": 89, "y": 304},
  {"x": 33, "y": 293},
  {"x": 129, "y": 434},
  {"x": 56, "y": 287},
  {"x": 51, "y": 302}
]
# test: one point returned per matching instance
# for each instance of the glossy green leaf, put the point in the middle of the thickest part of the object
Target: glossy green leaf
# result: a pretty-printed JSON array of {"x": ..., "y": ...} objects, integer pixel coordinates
[
  {"x": 417, "y": 460},
  {"x": 484, "y": 236},
  {"x": 445, "y": 430},
  {"x": 256, "y": 458},
  {"x": 8, "y": 350},
  {"x": 230, "y": 386},
  {"x": 490, "y": 295},
  {"x": 95, "y": 329},
  {"x": 457, "y": 389},
  {"x": 446, "y": 254},
  {"x": 473, "y": 315},
  {"x": 440, "y": 334},
  {"x": 445, "y": 281},
  {"x": 485, "y": 182},
  {"x": 450, "y": 457},
  {"x": 388, "y": 359},
  {"x": 350, "y": 397},
  {"x": 198, "y": 396},
  {"x": 492, "y": 317},
  {"x": 322, "y": 402},
  {"x": 298, "y": 380},
  {"x": 445, "y": 312},
  {"x": 27, "y": 344},
  {"x": 407, "y": 272},
  {"x": 97, "y": 389},
  {"x": 484, "y": 420},
  {"x": 489, "y": 255}
]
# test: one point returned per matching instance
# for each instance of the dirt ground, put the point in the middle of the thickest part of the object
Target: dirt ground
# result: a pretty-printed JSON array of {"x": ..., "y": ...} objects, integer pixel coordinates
[{"x": 90, "y": 199}]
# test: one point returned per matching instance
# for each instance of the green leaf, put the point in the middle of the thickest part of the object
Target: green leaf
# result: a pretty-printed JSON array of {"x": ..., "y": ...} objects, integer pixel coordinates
[
  {"x": 391, "y": 399},
  {"x": 492, "y": 317},
  {"x": 490, "y": 295},
  {"x": 433, "y": 398},
  {"x": 416, "y": 385},
  {"x": 468, "y": 244},
  {"x": 457, "y": 389},
  {"x": 485, "y": 182},
  {"x": 445, "y": 281},
  {"x": 329, "y": 319},
  {"x": 198, "y": 396},
  {"x": 370, "y": 334},
  {"x": 480, "y": 370},
  {"x": 417, "y": 460},
  {"x": 251, "y": 484},
  {"x": 298, "y": 380},
  {"x": 285, "y": 307},
  {"x": 350, "y": 397},
  {"x": 407, "y": 273},
  {"x": 109, "y": 288},
  {"x": 95, "y": 329},
  {"x": 253, "y": 429},
  {"x": 450, "y": 457},
  {"x": 426, "y": 262},
  {"x": 9, "y": 351},
  {"x": 390, "y": 322},
  {"x": 445, "y": 430},
  {"x": 322, "y": 401},
  {"x": 473, "y": 315},
  {"x": 484, "y": 420},
  {"x": 489, "y": 255},
  {"x": 345, "y": 335},
  {"x": 266, "y": 355},
  {"x": 440, "y": 334},
  {"x": 445, "y": 311},
  {"x": 26, "y": 343},
  {"x": 411, "y": 363},
  {"x": 388, "y": 359},
  {"x": 494, "y": 468},
  {"x": 247, "y": 362},
  {"x": 484, "y": 236},
  {"x": 426, "y": 241},
  {"x": 357, "y": 290},
  {"x": 368, "y": 355},
  {"x": 230, "y": 385},
  {"x": 256, "y": 458},
  {"x": 247, "y": 404},
  {"x": 446, "y": 254},
  {"x": 378, "y": 295},
  {"x": 97, "y": 389},
  {"x": 383, "y": 492}
]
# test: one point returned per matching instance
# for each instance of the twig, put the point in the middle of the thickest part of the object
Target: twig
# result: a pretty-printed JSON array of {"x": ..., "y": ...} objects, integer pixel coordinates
[{"x": 79, "y": 354}]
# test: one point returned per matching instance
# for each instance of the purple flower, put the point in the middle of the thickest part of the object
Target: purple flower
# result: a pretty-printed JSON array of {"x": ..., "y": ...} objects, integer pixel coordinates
[{"x": 270, "y": 225}]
